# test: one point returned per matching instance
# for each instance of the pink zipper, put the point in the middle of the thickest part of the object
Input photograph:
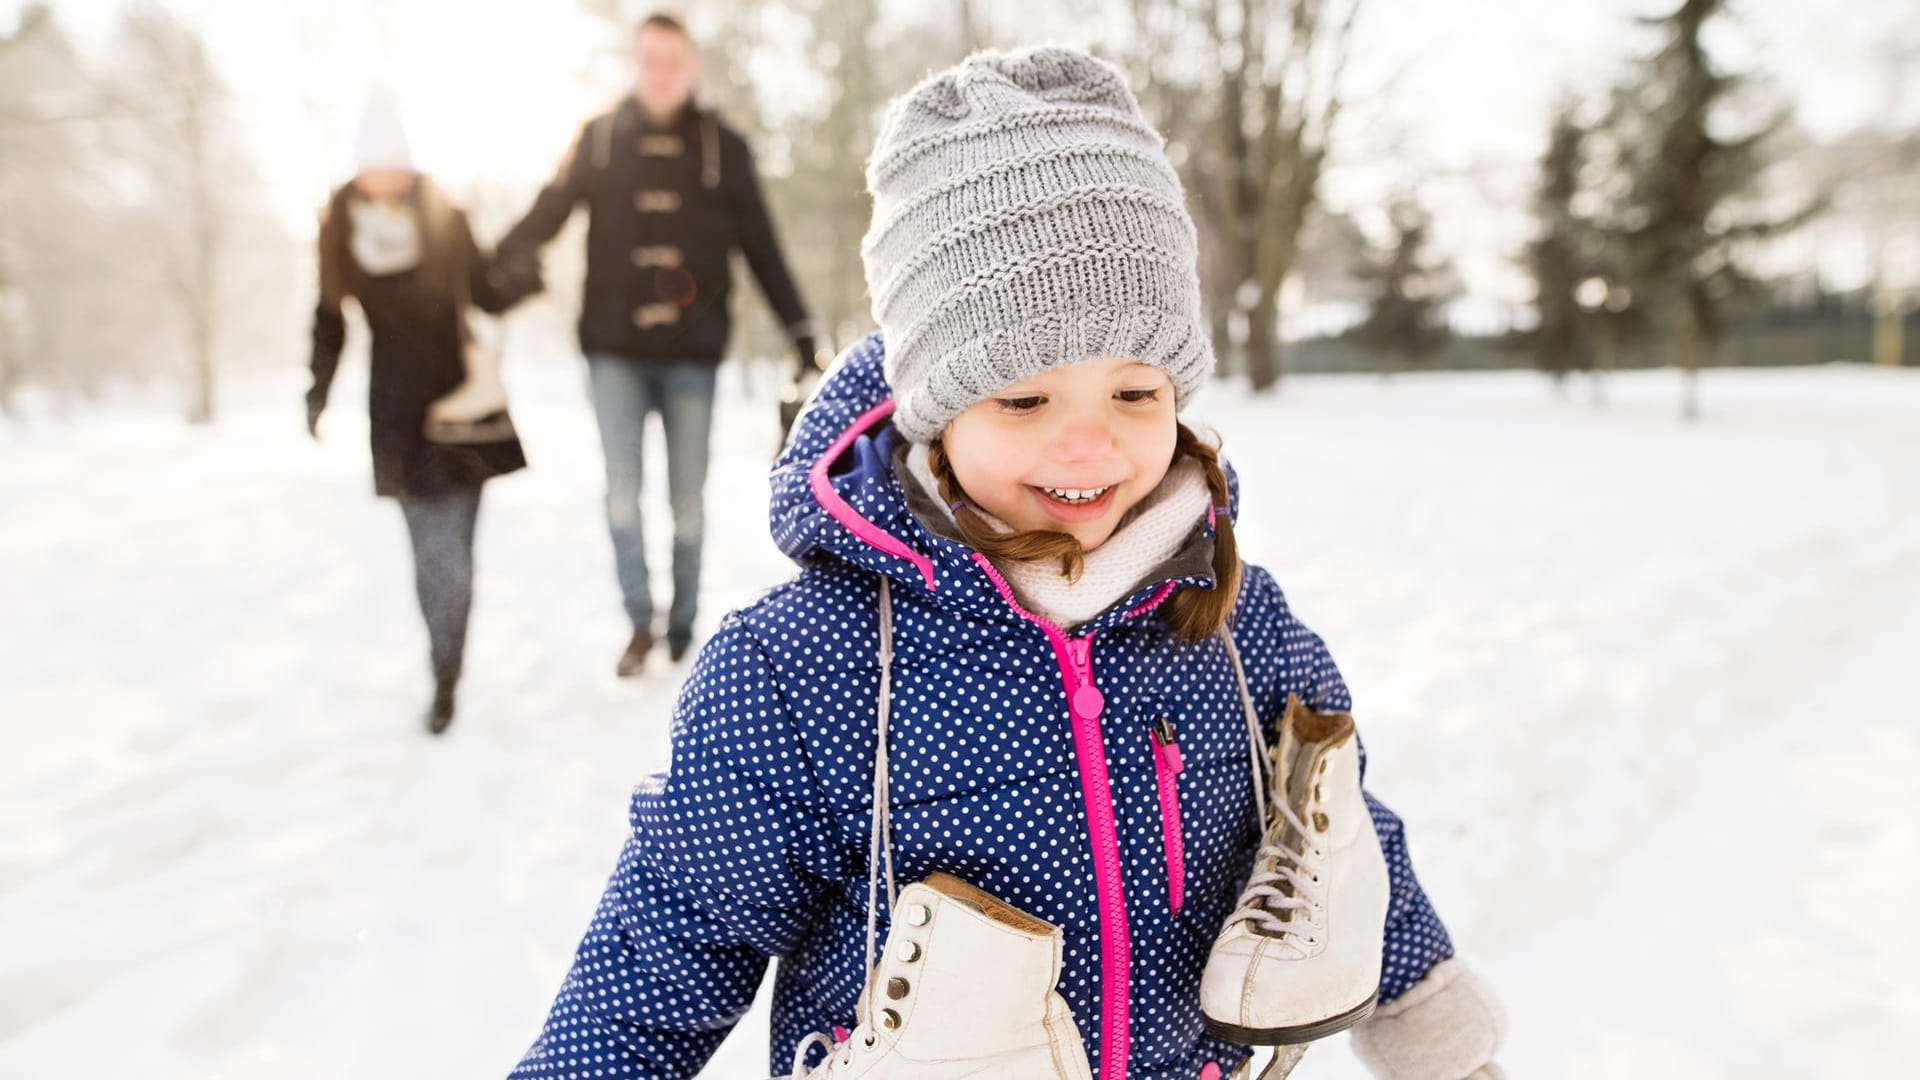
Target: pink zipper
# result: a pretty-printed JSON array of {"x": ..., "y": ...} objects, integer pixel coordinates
[
  {"x": 1167, "y": 766},
  {"x": 1085, "y": 702}
]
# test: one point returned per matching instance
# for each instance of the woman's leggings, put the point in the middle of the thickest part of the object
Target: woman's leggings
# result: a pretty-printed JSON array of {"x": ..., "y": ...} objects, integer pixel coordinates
[{"x": 442, "y": 529}]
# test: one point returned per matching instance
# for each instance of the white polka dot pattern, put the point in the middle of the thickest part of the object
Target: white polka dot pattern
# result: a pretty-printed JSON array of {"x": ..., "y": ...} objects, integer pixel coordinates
[{"x": 754, "y": 844}]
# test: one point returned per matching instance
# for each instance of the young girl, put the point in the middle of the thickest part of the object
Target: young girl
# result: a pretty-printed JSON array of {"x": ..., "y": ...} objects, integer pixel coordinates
[
  {"x": 392, "y": 241},
  {"x": 1059, "y": 561}
]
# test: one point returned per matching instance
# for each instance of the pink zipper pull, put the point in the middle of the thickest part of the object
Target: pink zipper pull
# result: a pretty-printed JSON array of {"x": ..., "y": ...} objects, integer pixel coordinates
[
  {"x": 1087, "y": 700},
  {"x": 1168, "y": 743},
  {"x": 1167, "y": 764}
]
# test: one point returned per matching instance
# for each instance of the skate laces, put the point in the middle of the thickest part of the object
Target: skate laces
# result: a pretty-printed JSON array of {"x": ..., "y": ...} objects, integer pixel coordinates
[
  {"x": 1284, "y": 882},
  {"x": 840, "y": 1053},
  {"x": 879, "y": 858}
]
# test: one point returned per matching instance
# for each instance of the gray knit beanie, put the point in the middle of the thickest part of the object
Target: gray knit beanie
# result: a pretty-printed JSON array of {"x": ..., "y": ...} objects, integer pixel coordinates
[{"x": 1025, "y": 217}]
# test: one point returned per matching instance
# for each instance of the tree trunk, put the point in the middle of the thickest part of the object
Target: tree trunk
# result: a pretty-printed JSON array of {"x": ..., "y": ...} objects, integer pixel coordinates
[
  {"x": 1889, "y": 335},
  {"x": 1603, "y": 347},
  {"x": 1691, "y": 347},
  {"x": 1393, "y": 358},
  {"x": 1263, "y": 344},
  {"x": 1222, "y": 329},
  {"x": 9, "y": 376},
  {"x": 202, "y": 292},
  {"x": 200, "y": 407}
]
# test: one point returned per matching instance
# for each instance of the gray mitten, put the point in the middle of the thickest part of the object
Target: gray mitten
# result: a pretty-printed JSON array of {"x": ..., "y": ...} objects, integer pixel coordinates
[{"x": 1448, "y": 1027}]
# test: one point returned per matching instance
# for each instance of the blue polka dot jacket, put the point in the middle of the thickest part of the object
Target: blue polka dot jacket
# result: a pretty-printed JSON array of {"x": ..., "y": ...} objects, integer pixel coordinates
[{"x": 1022, "y": 761}]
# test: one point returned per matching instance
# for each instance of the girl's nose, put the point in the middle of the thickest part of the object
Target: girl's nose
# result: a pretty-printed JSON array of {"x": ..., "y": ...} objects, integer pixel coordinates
[{"x": 1084, "y": 440}]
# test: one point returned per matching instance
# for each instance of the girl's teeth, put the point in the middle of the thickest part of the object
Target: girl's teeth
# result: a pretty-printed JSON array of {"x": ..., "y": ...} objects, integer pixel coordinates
[{"x": 1076, "y": 495}]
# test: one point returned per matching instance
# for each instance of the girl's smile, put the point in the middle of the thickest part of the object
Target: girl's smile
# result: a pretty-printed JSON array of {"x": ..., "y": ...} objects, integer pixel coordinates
[{"x": 1073, "y": 506}]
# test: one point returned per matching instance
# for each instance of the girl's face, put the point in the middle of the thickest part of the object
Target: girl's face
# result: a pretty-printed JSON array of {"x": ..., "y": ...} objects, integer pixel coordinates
[
  {"x": 384, "y": 185},
  {"x": 1070, "y": 450}
]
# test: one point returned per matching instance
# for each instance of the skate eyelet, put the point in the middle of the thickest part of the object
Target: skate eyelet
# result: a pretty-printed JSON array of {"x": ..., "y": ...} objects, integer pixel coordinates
[
  {"x": 897, "y": 988},
  {"x": 889, "y": 1019},
  {"x": 870, "y": 1040},
  {"x": 918, "y": 915},
  {"x": 1319, "y": 821},
  {"x": 909, "y": 951}
]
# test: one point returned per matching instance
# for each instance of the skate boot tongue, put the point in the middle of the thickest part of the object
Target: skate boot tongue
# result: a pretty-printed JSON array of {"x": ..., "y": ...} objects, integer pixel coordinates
[{"x": 1295, "y": 819}]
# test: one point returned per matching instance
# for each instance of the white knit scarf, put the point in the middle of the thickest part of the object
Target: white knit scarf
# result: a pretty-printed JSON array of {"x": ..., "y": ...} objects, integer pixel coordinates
[
  {"x": 1152, "y": 534},
  {"x": 386, "y": 236}
]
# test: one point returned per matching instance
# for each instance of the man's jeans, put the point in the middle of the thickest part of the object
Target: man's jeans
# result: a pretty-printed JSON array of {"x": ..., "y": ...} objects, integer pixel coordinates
[
  {"x": 681, "y": 391},
  {"x": 442, "y": 526}
]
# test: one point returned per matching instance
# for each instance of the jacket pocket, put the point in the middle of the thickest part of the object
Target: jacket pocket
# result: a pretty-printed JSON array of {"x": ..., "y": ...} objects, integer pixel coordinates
[{"x": 1166, "y": 768}]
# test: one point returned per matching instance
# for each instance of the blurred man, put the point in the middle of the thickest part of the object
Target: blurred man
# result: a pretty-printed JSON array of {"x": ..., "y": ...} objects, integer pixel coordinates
[{"x": 670, "y": 191}]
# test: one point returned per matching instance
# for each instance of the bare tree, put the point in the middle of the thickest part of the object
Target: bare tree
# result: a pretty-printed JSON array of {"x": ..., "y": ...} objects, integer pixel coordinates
[
  {"x": 1252, "y": 90},
  {"x": 54, "y": 211},
  {"x": 1892, "y": 300},
  {"x": 825, "y": 199},
  {"x": 177, "y": 131}
]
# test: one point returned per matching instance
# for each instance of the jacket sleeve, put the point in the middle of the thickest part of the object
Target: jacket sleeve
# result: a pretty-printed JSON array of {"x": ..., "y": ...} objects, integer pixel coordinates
[
  {"x": 727, "y": 865},
  {"x": 493, "y": 286},
  {"x": 754, "y": 235},
  {"x": 329, "y": 337},
  {"x": 520, "y": 247},
  {"x": 1416, "y": 939}
]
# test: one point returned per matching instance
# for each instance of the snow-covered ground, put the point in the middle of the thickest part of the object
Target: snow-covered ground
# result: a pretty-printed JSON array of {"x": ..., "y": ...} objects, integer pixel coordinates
[{"x": 1642, "y": 690}]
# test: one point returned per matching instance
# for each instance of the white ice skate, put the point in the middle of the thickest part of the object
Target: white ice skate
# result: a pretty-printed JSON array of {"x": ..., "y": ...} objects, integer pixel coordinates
[
  {"x": 1300, "y": 958},
  {"x": 476, "y": 410},
  {"x": 965, "y": 989}
]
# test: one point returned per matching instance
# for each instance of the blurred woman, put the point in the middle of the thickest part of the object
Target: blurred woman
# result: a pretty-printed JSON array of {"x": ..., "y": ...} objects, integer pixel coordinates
[{"x": 392, "y": 241}]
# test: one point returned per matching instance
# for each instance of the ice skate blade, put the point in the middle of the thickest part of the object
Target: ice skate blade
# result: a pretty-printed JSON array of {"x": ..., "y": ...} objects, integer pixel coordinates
[
  {"x": 1284, "y": 1059},
  {"x": 1291, "y": 1036}
]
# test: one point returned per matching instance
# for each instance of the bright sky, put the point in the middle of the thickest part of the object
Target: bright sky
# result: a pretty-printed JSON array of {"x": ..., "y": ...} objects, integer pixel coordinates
[{"x": 493, "y": 91}]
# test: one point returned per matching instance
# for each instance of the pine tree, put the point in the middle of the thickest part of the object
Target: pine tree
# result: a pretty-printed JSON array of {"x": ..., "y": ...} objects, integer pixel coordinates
[
  {"x": 1559, "y": 258},
  {"x": 1404, "y": 323},
  {"x": 1689, "y": 206}
]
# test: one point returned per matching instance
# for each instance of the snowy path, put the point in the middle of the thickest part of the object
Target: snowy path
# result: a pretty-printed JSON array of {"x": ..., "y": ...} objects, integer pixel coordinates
[{"x": 1642, "y": 692}]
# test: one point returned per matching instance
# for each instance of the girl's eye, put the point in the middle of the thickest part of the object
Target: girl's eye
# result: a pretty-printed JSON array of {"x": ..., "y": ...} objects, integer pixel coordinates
[
  {"x": 1020, "y": 404},
  {"x": 1136, "y": 397}
]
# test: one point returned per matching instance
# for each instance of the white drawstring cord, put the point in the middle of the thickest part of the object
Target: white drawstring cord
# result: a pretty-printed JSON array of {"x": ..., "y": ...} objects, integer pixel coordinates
[
  {"x": 879, "y": 844},
  {"x": 1256, "y": 732}
]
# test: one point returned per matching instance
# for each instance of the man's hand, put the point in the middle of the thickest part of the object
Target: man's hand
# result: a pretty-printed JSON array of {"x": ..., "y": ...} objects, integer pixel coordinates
[{"x": 514, "y": 279}]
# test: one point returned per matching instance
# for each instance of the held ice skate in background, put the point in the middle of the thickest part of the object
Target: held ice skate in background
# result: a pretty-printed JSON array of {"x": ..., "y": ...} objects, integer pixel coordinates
[{"x": 1299, "y": 959}]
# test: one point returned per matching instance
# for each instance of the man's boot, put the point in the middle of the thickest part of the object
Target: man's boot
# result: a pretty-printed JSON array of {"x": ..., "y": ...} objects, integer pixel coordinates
[
  {"x": 965, "y": 988},
  {"x": 1300, "y": 958},
  {"x": 635, "y": 658}
]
